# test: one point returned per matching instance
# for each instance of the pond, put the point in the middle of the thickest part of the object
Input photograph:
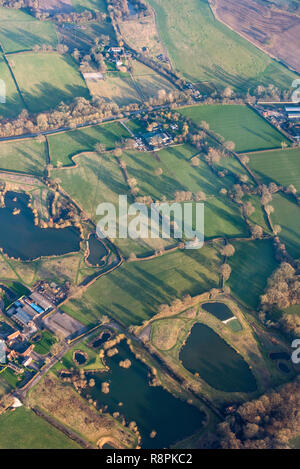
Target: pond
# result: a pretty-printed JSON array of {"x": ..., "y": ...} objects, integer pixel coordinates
[
  {"x": 283, "y": 367},
  {"x": 279, "y": 356},
  {"x": 219, "y": 310},
  {"x": 20, "y": 238},
  {"x": 80, "y": 358},
  {"x": 101, "y": 339},
  {"x": 152, "y": 408},
  {"x": 97, "y": 251},
  {"x": 206, "y": 353}
]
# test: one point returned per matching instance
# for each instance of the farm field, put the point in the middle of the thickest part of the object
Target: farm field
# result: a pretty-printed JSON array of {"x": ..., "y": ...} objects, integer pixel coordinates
[
  {"x": 23, "y": 429},
  {"x": 238, "y": 124},
  {"x": 65, "y": 145},
  {"x": 20, "y": 31},
  {"x": 287, "y": 215},
  {"x": 46, "y": 79},
  {"x": 28, "y": 156},
  {"x": 281, "y": 167},
  {"x": 252, "y": 264},
  {"x": 271, "y": 30},
  {"x": 14, "y": 104},
  {"x": 93, "y": 5},
  {"x": 134, "y": 292},
  {"x": 177, "y": 174},
  {"x": 99, "y": 179},
  {"x": 149, "y": 82},
  {"x": 119, "y": 88},
  {"x": 203, "y": 49}
]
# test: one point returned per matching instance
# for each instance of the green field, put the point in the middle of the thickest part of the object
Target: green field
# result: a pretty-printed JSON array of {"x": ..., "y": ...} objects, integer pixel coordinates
[
  {"x": 14, "y": 104},
  {"x": 133, "y": 292},
  {"x": 93, "y": 5},
  {"x": 237, "y": 123},
  {"x": 28, "y": 156},
  {"x": 44, "y": 344},
  {"x": 22, "y": 429},
  {"x": 252, "y": 264},
  {"x": 20, "y": 31},
  {"x": 46, "y": 79},
  {"x": 203, "y": 49},
  {"x": 177, "y": 173},
  {"x": 287, "y": 215},
  {"x": 67, "y": 144},
  {"x": 281, "y": 167}
]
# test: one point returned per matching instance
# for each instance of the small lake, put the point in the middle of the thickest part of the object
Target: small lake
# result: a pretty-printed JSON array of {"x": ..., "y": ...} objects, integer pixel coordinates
[
  {"x": 97, "y": 251},
  {"x": 20, "y": 238},
  {"x": 279, "y": 356},
  {"x": 152, "y": 408},
  {"x": 206, "y": 353},
  {"x": 219, "y": 310}
]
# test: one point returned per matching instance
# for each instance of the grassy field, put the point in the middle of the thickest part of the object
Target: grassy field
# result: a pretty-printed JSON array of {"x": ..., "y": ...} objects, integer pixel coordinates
[
  {"x": 23, "y": 429},
  {"x": 287, "y": 215},
  {"x": 20, "y": 31},
  {"x": 28, "y": 156},
  {"x": 67, "y": 144},
  {"x": 46, "y": 79},
  {"x": 238, "y": 124},
  {"x": 44, "y": 342},
  {"x": 93, "y": 5},
  {"x": 177, "y": 173},
  {"x": 119, "y": 88},
  {"x": 149, "y": 83},
  {"x": 14, "y": 104},
  {"x": 133, "y": 292},
  {"x": 203, "y": 49},
  {"x": 252, "y": 265},
  {"x": 281, "y": 167}
]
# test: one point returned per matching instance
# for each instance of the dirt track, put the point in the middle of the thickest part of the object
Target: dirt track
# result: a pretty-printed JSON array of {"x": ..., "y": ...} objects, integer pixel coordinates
[{"x": 274, "y": 31}]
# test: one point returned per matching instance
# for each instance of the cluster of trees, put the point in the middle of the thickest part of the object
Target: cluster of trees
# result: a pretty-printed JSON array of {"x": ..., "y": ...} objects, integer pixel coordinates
[
  {"x": 18, "y": 4},
  {"x": 269, "y": 422},
  {"x": 283, "y": 291},
  {"x": 121, "y": 8},
  {"x": 60, "y": 48},
  {"x": 81, "y": 18}
]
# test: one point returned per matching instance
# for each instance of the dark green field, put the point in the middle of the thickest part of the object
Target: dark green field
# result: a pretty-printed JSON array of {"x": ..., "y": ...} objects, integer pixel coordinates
[
  {"x": 134, "y": 291},
  {"x": 252, "y": 264},
  {"x": 67, "y": 144},
  {"x": 239, "y": 124},
  {"x": 23, "y": 429},
  {"x": 281, "y": 167}
]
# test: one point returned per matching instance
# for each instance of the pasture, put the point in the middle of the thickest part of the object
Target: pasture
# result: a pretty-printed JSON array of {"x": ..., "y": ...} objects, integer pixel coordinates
[
  {"x": 22, "y": 429},
  {"x": 46, "y": 79},
  {"x": 237, "y": 123},
  {"x": 287, "y": 215},
  {"x": 14, "y": 104},
  {"x": 119, "y": 88},
  {"x": 149, "y": 82},
  {"x": 203, "y": 49},
  {"x": 133, "y": 292},
  {"x": 252, "y": 264},
  {"x": 281, "y": 167},
  {"x": 28, "y": 156},
  {"x": 19, "y": 31},
  {"x": 65, "y": 145},
  {"x": 162, "y": 173},
  {"x": 99, "y": 179},
  {"x": 93, "y": 5}
]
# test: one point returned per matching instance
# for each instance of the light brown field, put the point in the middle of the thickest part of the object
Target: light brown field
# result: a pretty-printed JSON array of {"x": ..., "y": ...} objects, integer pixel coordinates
[
  {"x": 115, "y": 88},
  {"x": 274, "y": 31},
  {"x": 65, "y": 405}
]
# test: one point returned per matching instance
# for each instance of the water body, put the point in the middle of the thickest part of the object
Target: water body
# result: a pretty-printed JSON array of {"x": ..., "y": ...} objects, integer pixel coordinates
[
  {"x": 206, "y": 353},
  {"x": 20, "y": 238},
  {"x": 279, "y": 356},
  {"x": 100, "y": 340},
  {"x": 152, "y": 408},
  {"x": 219, "y": 310},
  {"x": 97, "y": 251},
  {"x": 80, "y": 358}
]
